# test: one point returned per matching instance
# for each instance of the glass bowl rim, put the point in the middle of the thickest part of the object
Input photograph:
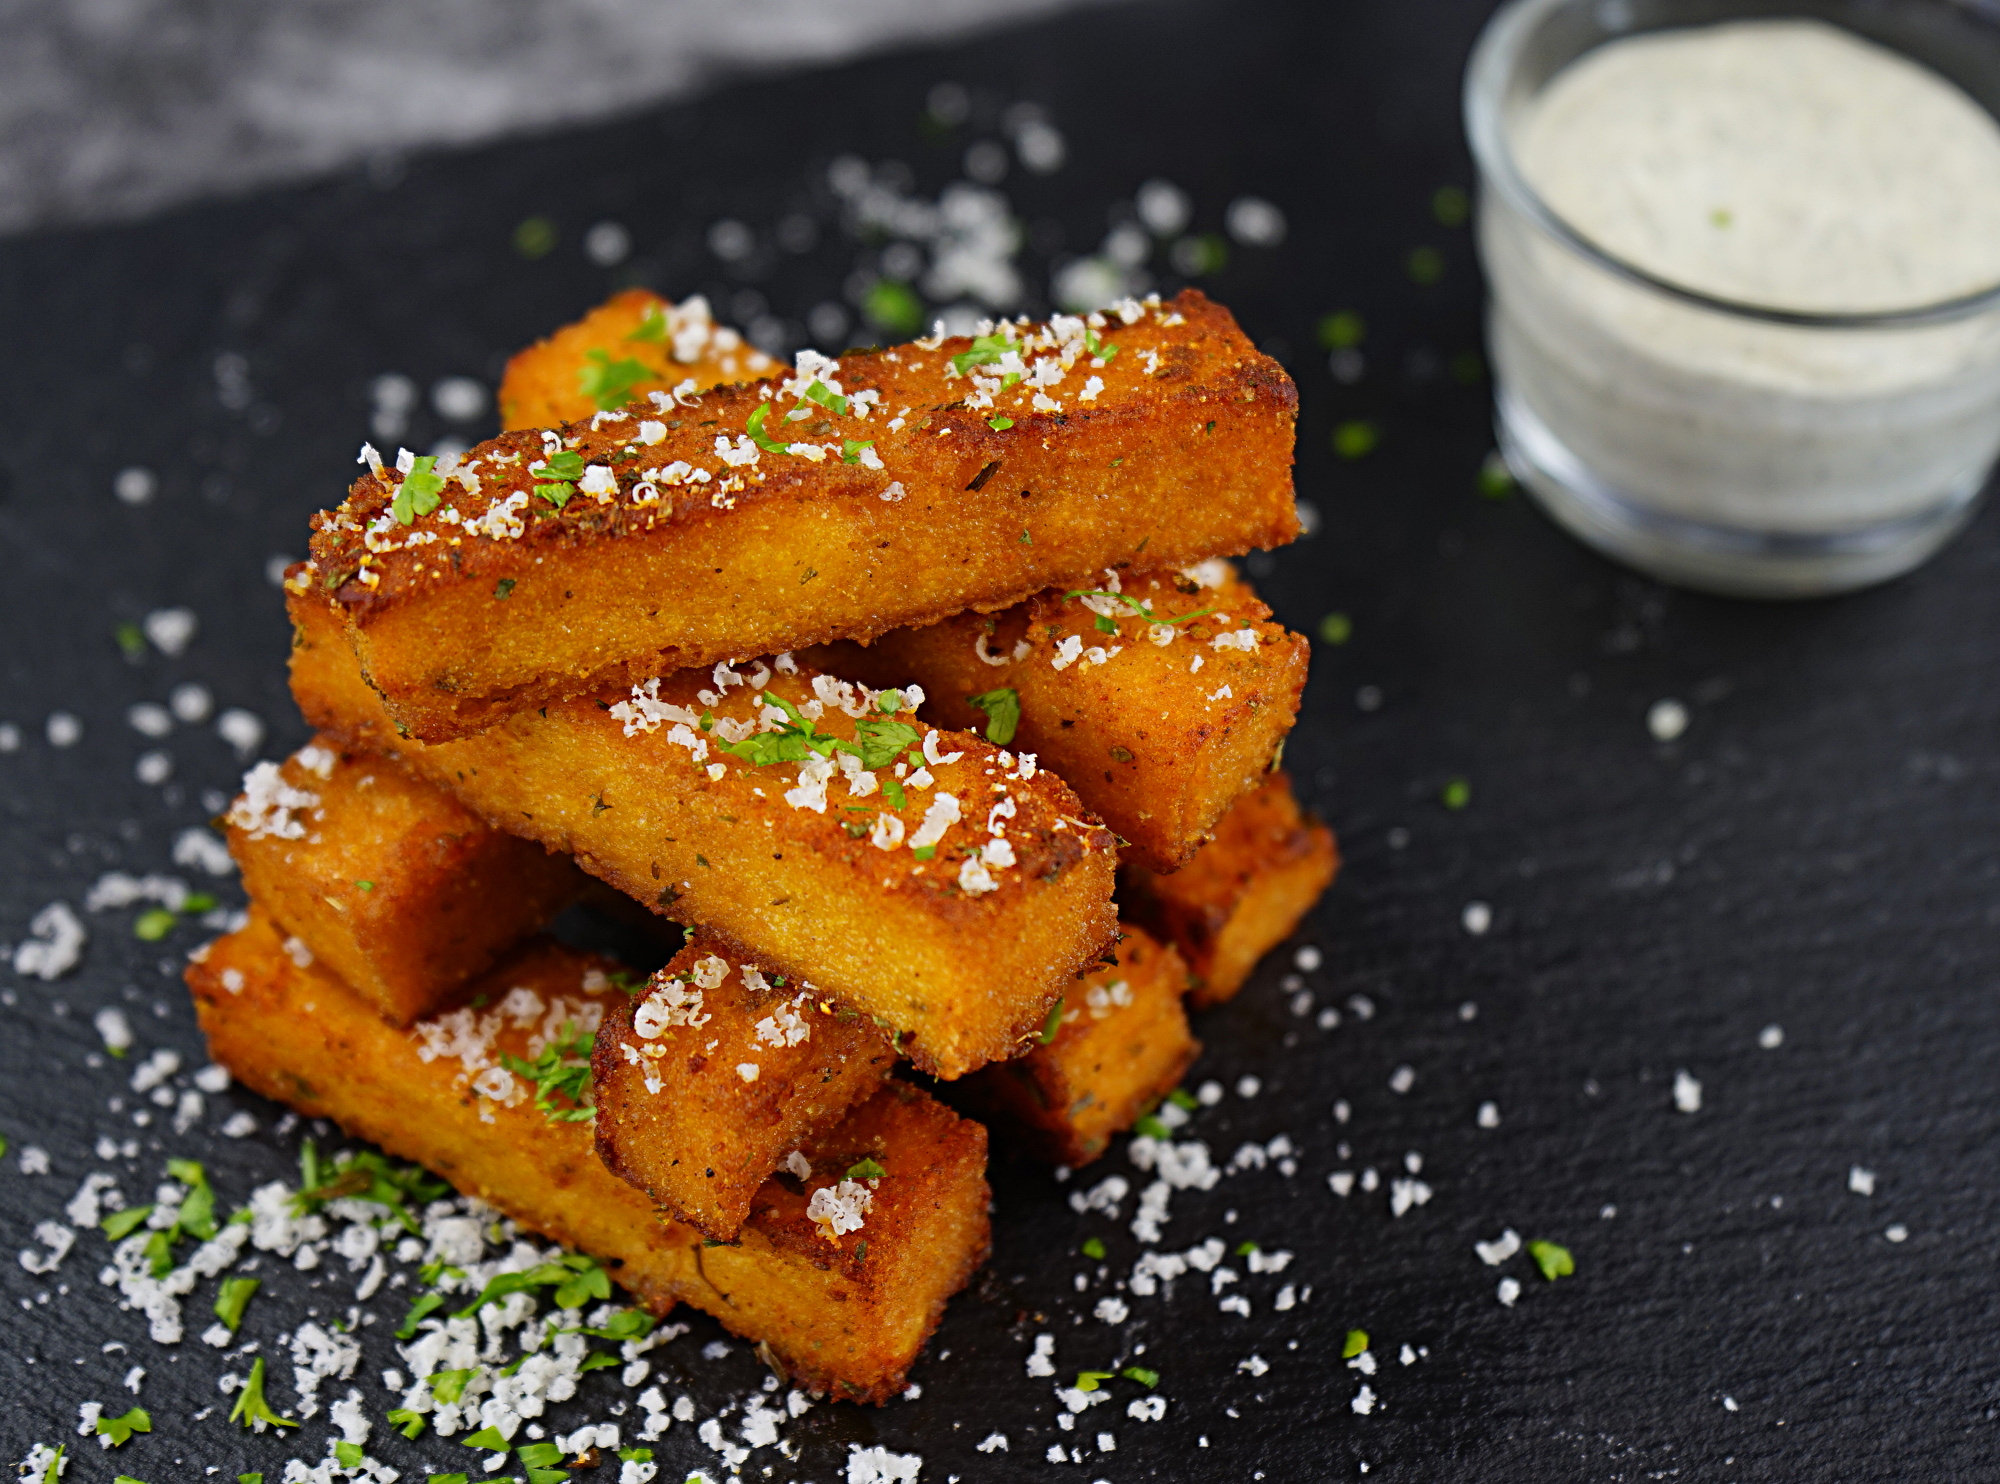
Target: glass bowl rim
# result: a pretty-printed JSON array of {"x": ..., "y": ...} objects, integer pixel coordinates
[{"x": 1488, "y": 72}]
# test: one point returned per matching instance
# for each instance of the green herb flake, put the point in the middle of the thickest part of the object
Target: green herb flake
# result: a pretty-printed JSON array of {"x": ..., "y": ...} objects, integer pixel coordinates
[
  {"x": 636, "y": 1455},
  {"x": 609, "y": 383},
  {"x": 487, "y": 1438},
  {"x": 53, "y": 1473},
  {"x": 1103, "y": 350},
  {"x": 540, "y": 1455},
  {"x": 597, "y": 1360},
  {"x": 1180, "y": 1097},
  {"x": 364, "y": 886},
  {"x": 449, "y": 1386},
  {"x": 1000, "y": 424},
  {"x": 420, "y": 490},
  {"x": 1336, "y": 628},
  {"x": 1003, "y": 713},
  {"x": 251, "y": 1409},
  {"x": 1026, "y": 539},
  {"x": 986, "y": 351},
  {"x": 924, "y": 852},
  {"x": 1244, "y": 1249},
  {"x": 894, "y": 306},
  {"x": 409, "y": 1424},
  {"x": 1450, "y": 206},
  {"x": 233, "y": 1298},
  {"x": 652, "y": 326},
  {"x": 1457, "y": 794},
  {"x": 827, "y": 397},
  {"x": 1357, "y": 1341},
  {"x": 426, "y": 1303},
  {"x": 850, "y": 449},
  {"x": 127, "y": 1479},
  {"x": 865, "y": 1169},
  {"x": 1091, "y": 1380},
  {"x": 1554, "y": 1261},
  {"x": 1141, "y": 1374},
  {"x": 535, "y": 238},
  {"x": 1093, "y": 1248},
  {"x": 1496, "y": 480},
  {"x": 562, "y": 1070},
  {"x": 131, "y": 641},
  {"x": 440, "y": 1479},
  {"x": 1356, "y": 439},
  {"x": 755, "y": 428},
  {"x": 503, "y": 589},
  {"x": 347, "y": 1455},
  {"x": 1053, "y": 1023},
  {"x": 557, "y": 494},
  {"x": 250, "y": 1479},
  {"x": 120, "y": 1429},
  {"x": 121, "y": 1224},
  {"x": 154, "y": 924},
  {"x": 1343, "y": 330},
  {"x": 1425, "y": 265},
  {"x": 1151, "y": 1128}
]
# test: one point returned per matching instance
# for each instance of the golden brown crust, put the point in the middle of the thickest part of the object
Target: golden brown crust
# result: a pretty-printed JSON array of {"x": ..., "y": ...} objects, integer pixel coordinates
[
  {"x": 1243, "y": 893},
  {"x": 561, "y": 379},
  {"x": 1158, "y": 739},
  {"x": 404, "y": 892},
  {"x": 960, "y": 960},
  {"x": 1121, "y": 1046},
  {"x": 823, "y": 1306},
  {"x": 1184, "y": 454},
  {"x": 677, "y": 1114}
]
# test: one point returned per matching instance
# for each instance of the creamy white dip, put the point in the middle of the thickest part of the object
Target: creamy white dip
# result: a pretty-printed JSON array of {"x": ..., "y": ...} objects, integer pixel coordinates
[{"x": 1783, "y": 164}]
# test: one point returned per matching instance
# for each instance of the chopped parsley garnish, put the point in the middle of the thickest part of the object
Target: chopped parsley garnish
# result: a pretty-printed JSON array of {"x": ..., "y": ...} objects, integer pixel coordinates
[
  {"x": 626, "y": 1324},
  {"x": 892, "y": 790},
  {"x": 1357, "y": 439},
  {"x": 1091, "y": 1380},
  {"x": 409, "y": 1424},
  {"x": 1336, "y": 628},
  {"x": 153, "y": 925},
  {"x": 364, "y": 1176},
  {"x": 562, "y": 1068},
  {"x": 131, "y": 640},
  {"x": 347, "y": 1455},
  {"x": 127, "y": 1479},
  {"x": 503, "y": 589},
  {"x": 120, "y": 1429},
  {"x": 53, "y": 1474},
  {"x": 1555, "y": 1262},
  {"x": 418, "y": 493},
  {"x": 1244, "y": 1249},
  {"x": 1425, "y": 265},
  {"x": 609, "y": 383},
  {"x": 755, "y": 428},
  {"x": 865, "y": 1169},
  {"x": 1093, "y": 1249},
  {"x": 1003, "y": 713},
  {"x": 1053, "y": 1023},
  {"x": 1457, "y": 794},
  {"x": 449, "y": 1386},
  {"x": 636, "y": 1455},
  {"x": 487, "y": 1438},
  {"x": 1496, "y": 480},
  {"x": 1152, "y": 1128},
  {"x": 1451, "y": 206},
  {"x": 1180, "y": 1097},
  {"x": 597, "y": 1360},
  {"x": 923, "y": 852},
  {"x": 558, "y": 493},
  {"x": 850, "y": 449},
  {"x": 425, "y": 1304},
  {"x": 535, "y": 238},
  {"x": 827, "y": 397},
  {"x": 121, "y": 1224},
  {"x": 233, "y": 1298},
  {"x": 1141, "y": 1374},
  {"x": 364, "y": 886},
  {"x": 1357, "y": 1341},
  {"x": 440, "y": 1479},
  {"x": 878, "y": 741},
  {"x": 251, "y": 1408},
  {"x": 653, "y": 326},
  {"x": 894, "y": 306},
  {"x": 1104, "y": 350},
  {"x": 1000, "y": 424},
  {"x": 540, "y": 1455},
  {"x": 575, "y": 1278},
  {"x": 986, "y": 350}
]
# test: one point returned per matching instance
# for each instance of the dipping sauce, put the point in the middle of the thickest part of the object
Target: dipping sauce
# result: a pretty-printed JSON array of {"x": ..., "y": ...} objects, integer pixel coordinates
[
  {"x": 1786, "y": 164},
  {"x": 1782, "y": 165}
]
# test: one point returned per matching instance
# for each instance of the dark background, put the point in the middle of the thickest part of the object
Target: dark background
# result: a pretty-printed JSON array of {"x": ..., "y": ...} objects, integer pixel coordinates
[{"x": 1816, "y": 852}]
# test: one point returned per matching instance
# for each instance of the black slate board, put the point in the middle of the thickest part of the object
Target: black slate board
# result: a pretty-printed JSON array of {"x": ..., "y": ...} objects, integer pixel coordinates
[{"x": 1816, "y": 852}]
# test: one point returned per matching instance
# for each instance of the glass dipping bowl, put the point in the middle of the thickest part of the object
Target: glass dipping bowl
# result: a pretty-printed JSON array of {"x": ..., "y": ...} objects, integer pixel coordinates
[{"x": 1720, "y": 445}]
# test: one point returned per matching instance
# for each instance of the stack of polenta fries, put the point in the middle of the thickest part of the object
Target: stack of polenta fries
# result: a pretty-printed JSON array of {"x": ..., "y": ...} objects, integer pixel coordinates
[{"x": 911, "y": 690}]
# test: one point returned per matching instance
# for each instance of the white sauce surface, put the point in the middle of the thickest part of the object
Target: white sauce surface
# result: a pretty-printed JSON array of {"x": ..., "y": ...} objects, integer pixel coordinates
[{"x": 1784, "y": 163}]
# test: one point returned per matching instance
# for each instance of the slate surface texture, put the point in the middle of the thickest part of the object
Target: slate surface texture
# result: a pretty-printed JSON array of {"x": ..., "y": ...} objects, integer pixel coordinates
[{"x": 1816, "y": 852}]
